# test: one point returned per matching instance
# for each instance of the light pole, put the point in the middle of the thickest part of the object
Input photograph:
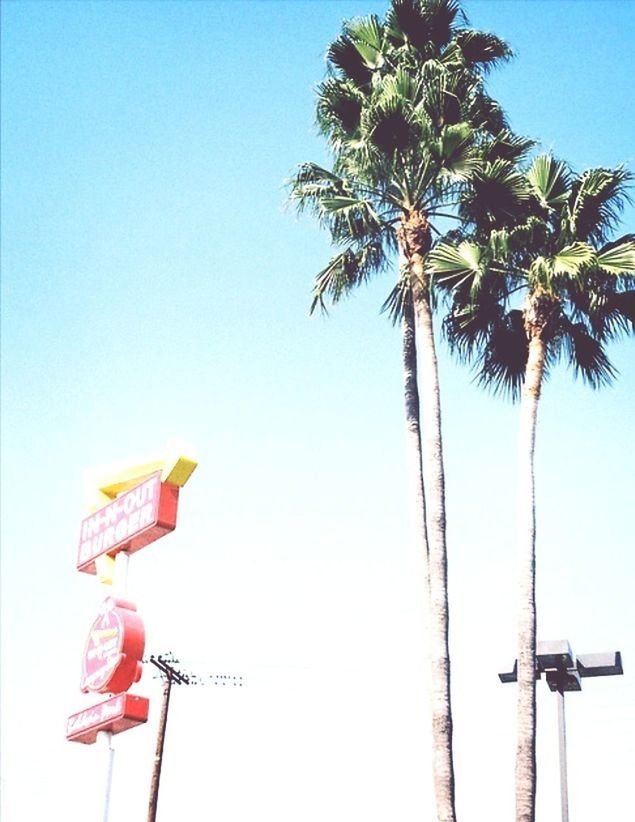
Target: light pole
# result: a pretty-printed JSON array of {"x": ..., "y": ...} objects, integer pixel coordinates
[{"x": 563, "y": 672}]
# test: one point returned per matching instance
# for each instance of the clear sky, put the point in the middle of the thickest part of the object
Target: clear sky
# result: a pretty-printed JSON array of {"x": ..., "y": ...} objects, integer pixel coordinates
[{"x": 154, "y": 286}]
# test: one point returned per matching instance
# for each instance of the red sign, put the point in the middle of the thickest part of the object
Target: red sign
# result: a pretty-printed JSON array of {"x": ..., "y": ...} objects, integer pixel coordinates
[
  {"x": 114, "y": 648},
  {"x": 130, "y": 522},
  {"x": 115, "y": 715}
]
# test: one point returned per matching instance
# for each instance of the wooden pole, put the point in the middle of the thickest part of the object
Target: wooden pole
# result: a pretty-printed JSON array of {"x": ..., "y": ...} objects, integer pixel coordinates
[{"x": 158, "y": 757}]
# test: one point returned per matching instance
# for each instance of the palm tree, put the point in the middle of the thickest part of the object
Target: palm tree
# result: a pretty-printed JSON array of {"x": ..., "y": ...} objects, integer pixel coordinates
[
  {"x": 408, "y": 122},
  {"x": 579, "y": 294}
]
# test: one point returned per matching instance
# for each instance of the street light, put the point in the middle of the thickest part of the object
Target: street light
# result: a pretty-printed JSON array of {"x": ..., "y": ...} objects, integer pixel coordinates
[{"x": 563, "y": 672}]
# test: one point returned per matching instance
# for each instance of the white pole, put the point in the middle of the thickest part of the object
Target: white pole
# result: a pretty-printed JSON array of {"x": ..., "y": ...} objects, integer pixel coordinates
[
  {"x": 562, "y": 744},
  {"x": 120, "y": 574},
  {"x": 119, "y": 588},
  {"x": 105, "y": 739}
]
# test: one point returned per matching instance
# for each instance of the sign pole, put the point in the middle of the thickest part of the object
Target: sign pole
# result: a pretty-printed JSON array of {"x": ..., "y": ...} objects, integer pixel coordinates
[
  {"x": 120, "y": 577},
  {"x": 106, "y": 738},
  {"x": 120, "y": 587}
]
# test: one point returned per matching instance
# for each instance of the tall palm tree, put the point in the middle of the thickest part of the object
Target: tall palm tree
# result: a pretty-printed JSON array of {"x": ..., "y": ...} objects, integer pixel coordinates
[
  {"x": 579, "y": 294},
  {"x": 408, "y": 122}
]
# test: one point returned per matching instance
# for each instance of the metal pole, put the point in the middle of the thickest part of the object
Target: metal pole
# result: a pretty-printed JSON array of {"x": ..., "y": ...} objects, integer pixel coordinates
[
  {"x": 106, "y": 738},
  {"x": 119, "y": 585},
  {"x": 158, "y": 758},
  {"x": 562, "y": 738},
  {"x": 120, "y": 574}
]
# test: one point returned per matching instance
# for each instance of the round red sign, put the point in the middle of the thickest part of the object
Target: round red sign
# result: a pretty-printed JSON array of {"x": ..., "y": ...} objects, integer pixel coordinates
[{"x": 114, "y": 648}]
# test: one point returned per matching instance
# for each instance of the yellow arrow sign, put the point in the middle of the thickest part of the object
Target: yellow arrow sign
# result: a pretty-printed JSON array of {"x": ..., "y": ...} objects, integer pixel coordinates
[{"x": 101, "y": 486}]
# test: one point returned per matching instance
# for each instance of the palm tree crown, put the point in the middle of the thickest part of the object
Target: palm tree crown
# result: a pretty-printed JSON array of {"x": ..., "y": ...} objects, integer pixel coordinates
[
  {"x": 579, "y": 284},
  {"x": 408, "y": 121}
]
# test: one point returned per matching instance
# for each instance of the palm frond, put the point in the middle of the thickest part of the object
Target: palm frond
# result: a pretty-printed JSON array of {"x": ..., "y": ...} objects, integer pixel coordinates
[
  {"x": 507, "y": 146},
  {"x": 604, "y": 302},
  {"x": 453, "y": 151},
  {"x": 549, "y": 181},
  {"x": 398, "y": 300},
  {"x": 618, "y": 257},
  {"x": 586, "y": 355},
  {"x": 622, "y": 307},
  {"x": 344, "y": 57},
  {"x": 481, "y": 49},
  {"x": 389, "y": 126},
  {"x": 571, "y": 259},
  {"x": 423, "y": 23},
  {"x": 488, "y": 114},
  {"x": 496, "y": 196},
  {"x": 494, "y": 338},
  {"x": 469, "y": 322},
  {"x": 339, "y": 108},
  {"x": 310, "y": 184},
  {"x": 401, "y": 86},
  {"x": 501, "y": 366},
  {"x": 350, "y": 218},
  {"x": 349, "y": 211},
  {"x": 596, "y": 201},
  {"x": 452, "y": 264},
  {"x": 442, "y": 97},
  {"x": 347, "y": 270},
  {"x": 367, "y": 35},
  {"x": 499, "y": 246},
  {"x": 529, "y": 237}
]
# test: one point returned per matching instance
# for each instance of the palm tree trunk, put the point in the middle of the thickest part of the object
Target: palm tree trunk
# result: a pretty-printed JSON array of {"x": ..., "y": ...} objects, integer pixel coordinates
[
  {"x": 414, "y": 238},
  {"x": 526, "y": 705},
  {"x": 413, "y": 432},
  {"x": 443, "y": 767}
]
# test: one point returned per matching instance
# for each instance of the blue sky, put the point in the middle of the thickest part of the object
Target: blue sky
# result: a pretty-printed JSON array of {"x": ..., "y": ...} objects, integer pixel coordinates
[{"x": 154, "y": 286}]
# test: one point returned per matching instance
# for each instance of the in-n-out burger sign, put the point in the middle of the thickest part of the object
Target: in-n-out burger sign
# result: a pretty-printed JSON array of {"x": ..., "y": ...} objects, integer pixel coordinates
[
  {"x": 131, "y": 521},
  {"x": 142, "y": 509},
  {"x": 114, "y": 648},
  {"x": 115, "y": 715},
  {"x": 111, "y": 664}
]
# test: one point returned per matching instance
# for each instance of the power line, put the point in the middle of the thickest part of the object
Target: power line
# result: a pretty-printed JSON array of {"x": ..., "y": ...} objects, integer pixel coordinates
[{"x": 165, "y": 663}]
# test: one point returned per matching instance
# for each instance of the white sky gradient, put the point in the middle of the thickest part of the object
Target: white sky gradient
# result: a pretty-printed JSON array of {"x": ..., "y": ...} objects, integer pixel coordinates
[{"x": 154, "y": 287}]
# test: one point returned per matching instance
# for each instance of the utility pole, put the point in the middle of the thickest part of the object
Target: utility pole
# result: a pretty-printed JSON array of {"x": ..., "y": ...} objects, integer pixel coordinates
[
  {"x": 169, "y": 674},
  {"x": 173, "y": 676}
]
